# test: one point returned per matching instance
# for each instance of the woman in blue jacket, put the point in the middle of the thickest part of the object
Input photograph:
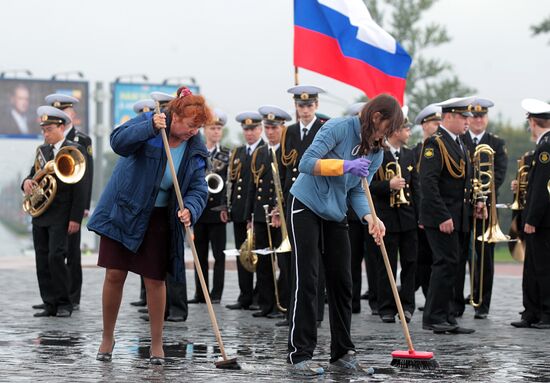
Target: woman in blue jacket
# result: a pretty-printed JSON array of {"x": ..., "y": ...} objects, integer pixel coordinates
[
  {"x": 344, "y": 150},
  {"x": 137, "y": 216}
]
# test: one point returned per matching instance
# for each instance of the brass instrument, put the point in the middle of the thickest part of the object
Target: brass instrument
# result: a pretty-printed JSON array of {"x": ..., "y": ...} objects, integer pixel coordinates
[
  {"x": 69, "y": 165},
  {"x": 233, "y": 173},
  {"x": 521, "y": 192},
  {"x": 273, "y": 260},
  {"x": 214, "y": 180},
  {"x": 247, "y": 257},
  {"x": 397, "y": 197},
  {"x": 284, "y": 247}
]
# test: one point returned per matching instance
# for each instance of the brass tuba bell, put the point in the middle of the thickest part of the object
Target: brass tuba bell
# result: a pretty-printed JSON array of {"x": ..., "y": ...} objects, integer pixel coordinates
[
  {"x": 69, "y": 165},
  {"x": 247, "y": 257}
]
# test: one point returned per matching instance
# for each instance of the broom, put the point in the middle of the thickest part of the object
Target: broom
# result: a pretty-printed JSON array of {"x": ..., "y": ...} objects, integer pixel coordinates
[
  {"x": 228, "y": 364},
  {"x": 420, "y": 360}
]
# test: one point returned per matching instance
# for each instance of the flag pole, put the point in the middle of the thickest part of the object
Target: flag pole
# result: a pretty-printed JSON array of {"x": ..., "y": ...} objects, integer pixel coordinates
[{"x": 296, "y": 83}]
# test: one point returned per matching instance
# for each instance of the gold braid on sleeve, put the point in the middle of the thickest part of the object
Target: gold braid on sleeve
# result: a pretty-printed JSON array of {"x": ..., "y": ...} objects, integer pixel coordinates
[
  {"x": 256, "y": 173},
  {"x": 287, "y": 159},
  {"x": 456, "y": 170},
  {"x": 234, "y": 171}
]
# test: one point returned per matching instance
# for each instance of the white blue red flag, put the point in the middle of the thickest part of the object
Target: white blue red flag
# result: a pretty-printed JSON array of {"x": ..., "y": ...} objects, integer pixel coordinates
[{"x": 339, "y": 39}]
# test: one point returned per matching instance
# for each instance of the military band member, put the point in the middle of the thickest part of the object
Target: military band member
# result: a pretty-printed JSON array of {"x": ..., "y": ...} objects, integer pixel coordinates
[
  {"x": 536, "y": 218},
  {"x": 72, "y": 133},
  {"x": 295, "y": 140},
  {"x": 429, "y": 119},
  {"x": 445, "y": 171},
  {"x": 477, "y": 135},
  {"x": 239, "y": 178},
  {"x": 61, "y": 219},
  {"x": 262, "y": 192},
  {"x": 394, "y": 191},
  {"x": 211, "y": 225}
]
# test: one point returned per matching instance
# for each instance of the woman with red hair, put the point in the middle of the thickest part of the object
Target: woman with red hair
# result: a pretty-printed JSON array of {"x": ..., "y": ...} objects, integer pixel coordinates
[{"x": 137, "y": 216}]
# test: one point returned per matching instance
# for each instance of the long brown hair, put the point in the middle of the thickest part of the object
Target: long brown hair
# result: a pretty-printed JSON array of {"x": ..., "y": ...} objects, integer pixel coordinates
[
  {"x": 187, "y": 104},
  {"x": 390, "y": 109}
]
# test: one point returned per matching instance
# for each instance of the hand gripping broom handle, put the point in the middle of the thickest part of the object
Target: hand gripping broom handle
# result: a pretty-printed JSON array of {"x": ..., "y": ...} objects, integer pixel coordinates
[
  {"x": 190, "y": 241},
  {"x": 389, "y": 270}
]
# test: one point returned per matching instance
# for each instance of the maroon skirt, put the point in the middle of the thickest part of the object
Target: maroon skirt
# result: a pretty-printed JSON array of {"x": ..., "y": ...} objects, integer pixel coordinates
[{"x": 153, "y": 256}]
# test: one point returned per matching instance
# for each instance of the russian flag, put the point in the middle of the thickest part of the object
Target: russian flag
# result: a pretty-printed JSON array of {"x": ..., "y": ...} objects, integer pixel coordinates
[{"x": 339, "y": 39}]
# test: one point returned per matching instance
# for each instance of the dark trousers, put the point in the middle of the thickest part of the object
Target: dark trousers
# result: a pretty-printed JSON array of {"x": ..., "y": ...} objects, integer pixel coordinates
[
  {"x": 306, "y": 230},
  {"x": 264, "y": 269},
  {"x": 358, "y": 234},
  {"x": 215, "y": 235},
  {"x": 50, "y": 246},
  {"x": 246, "y": 278},
  {"x": 446, "y": 250},
  {"x": 284, "y": 280},
  {"x": 404, "y": 244},
  {"x": 176, "y": 298},
  {"x": 458, "y": 305},
  {"x": 74, "y": 264},
  {"x": 142, "y": 290},
  {"x": 488, "y": 271},
  {"x": 536, "y": 276},
  {"x": 424, "y": 263}
]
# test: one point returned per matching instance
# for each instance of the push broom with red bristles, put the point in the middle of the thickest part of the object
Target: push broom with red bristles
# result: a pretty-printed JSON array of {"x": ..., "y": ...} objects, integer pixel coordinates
[{"x": 420, "y": 360}]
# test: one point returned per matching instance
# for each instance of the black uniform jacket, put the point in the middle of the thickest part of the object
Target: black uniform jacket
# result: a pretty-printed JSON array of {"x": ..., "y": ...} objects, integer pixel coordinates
[
  {"x": 70, "y": 199},
  {"x": 500, "y": 159},
  {"x": 85, "y": 141},
  {"x": 262, "y": 189},
  {"x": 537, "y": 208},
  {"x": 291, "y": 140},
  {"x": 445, "y": 172},
  {"x": 218, "y": 200},
  {"x": 405, "y": 217},
  {"x": 240, "y": 178}
]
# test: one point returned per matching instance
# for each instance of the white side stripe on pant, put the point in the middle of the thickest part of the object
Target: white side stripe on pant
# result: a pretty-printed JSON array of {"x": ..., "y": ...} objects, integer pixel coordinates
[{"x": 293, "y": 321}]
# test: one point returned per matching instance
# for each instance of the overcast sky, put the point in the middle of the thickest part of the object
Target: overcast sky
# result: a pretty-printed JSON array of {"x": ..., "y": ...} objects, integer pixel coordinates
[{"x": 240, "y": 51}]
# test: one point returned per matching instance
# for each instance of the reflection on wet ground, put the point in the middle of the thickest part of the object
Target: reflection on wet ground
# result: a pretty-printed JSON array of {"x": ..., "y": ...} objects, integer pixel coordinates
[{"x": 64, "y": 349}]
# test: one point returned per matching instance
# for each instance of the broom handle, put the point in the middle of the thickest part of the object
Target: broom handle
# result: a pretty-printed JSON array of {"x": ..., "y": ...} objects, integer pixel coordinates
[
  {"x": 190, "y": 241},
  {"x": 389, "y": 270}
]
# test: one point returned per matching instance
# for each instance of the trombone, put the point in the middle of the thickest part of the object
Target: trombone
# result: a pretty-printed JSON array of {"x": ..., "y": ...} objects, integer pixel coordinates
[
  {"x": 285, "y": 243},
  {"x": 397, "y": 198},
  {"x": 272, "y": 253}
]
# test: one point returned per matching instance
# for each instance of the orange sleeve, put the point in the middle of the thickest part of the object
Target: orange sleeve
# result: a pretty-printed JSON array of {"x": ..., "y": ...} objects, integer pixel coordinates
[{"x": 331, "y": 167}]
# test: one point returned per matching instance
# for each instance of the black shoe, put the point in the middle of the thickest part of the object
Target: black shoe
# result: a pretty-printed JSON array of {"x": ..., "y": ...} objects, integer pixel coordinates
[
  {"x": 374, "y": 312},
  {"x": 145, "y": 317},
  {"x": 521, "y": 324},
  {"x": 365, "y": 295},
  {"x": 467, "y": 300},
  {"x": 236, "y": 306},
  {"x": 196, "y": 300},
  {"x": 388, "y": 318},
  {"x": 421, "y": 308},
  {"x": 43, "y": 313},
  {"x": 462, "y": 330},
  {"x": 76, "y": 306},
  {"x": 319, "y": 323},
  {"x": 252, "y": 307},
  {"x": 139, "y": 303},
  {"x": 215, "y": 300},
  {"x": 260, "y": 314},
  {"x": 356, "y": 310},
  {"x": 439, "y": 328},
  {"x": 40, "y": 306},
  {"x": 143, "y": 310},
  {"x": 283, "y": 323},
  {"x": 541, "y": 325},
  {"x": 176, "y": 318},
  {"x": 63, "y": 313},
  {"x": 105, "y": 356},
  {"x": 156, "y": 360},
  {"x": 275, "y": 315},
  {"x": 480, "y": 316}
]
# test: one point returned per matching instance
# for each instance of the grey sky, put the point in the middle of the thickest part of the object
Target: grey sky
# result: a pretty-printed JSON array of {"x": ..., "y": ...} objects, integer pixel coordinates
[{"x": 240, "y": 51}]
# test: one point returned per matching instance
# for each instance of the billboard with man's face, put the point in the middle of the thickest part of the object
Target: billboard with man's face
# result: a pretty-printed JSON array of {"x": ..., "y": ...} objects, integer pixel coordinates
[{"x": 19, "y": 99}]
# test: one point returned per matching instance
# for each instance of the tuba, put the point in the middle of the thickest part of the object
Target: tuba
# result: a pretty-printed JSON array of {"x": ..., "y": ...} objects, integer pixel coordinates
[
  {"x": 69, "y": 165},
  {"x": 397, "y": 197},
  {"x": 247, "y": 257}
]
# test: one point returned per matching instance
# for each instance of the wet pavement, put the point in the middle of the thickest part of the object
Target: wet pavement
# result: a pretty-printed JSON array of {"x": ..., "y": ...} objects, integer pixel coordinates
[{"x": 64, "y": 349}]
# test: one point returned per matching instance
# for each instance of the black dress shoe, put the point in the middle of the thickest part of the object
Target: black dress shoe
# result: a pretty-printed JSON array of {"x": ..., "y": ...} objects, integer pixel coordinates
[
  {"x": 196, "y": 300},
  {"x": 439, "y": 328},
  {"x": 236, "y": 306},
  {"x": 521, "y": 324},
  {"x": 283, "y": 323},
  {"x": 374, "y": 312},
  {"x": 252, "y": 307},
  {"x": 462, "y": 330},
  {"x": 176, "y": 318},
  {"x": 43, "y": 313},
  {"x": 275, "y": 315},
  {"x": 356, "y": 310},
  {"x": 139, "y": 303},
  {"x": 105, "y": 356},
  {"x": 388, "y": 318},
  {"x": 365, "y": 295},
  {"x": 40, "y": 306},
  {"x": 143, "y": 310},
  {"x": 145, "y": 317},
  {"x": 63, "y": 313},
  {"x": 260, "y": 314},
  {"x": 480, "y": 316},
  {"x": 215, "y": 300},
  {"x": 541, "y": 325},
  {"x": 420, "y": 308},
  {"x": 76, "y": 306}
]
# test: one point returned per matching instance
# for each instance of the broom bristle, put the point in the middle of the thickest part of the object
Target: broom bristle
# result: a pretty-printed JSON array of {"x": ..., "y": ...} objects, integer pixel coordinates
[{"x": 418, "y": 364}]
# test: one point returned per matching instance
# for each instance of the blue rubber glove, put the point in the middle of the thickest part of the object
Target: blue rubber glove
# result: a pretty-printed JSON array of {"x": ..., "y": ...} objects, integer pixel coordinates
[{"x": 358, "y": 167}]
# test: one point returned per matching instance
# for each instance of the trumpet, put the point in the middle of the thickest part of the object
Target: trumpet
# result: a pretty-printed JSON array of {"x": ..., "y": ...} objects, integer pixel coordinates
[
  {"x": 284, "y": 247},
  {"x": 247, "y": 257},
  {"x": 397, "y": 197},
  {"x": 69, "y": 165},
  {"x": 273, "y": 259}
]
